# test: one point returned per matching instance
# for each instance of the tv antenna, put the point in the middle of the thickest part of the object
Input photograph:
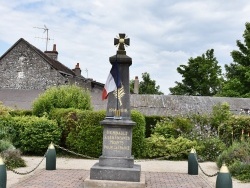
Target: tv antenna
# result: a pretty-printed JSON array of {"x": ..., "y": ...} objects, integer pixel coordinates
[
  {"x": 86, "y": 70},
  {"x": 47, "y": 34}
]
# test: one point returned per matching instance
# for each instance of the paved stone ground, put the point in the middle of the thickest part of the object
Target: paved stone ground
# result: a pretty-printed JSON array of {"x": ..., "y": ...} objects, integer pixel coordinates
[
  {"x": 71, "y": 173},
  {"x": 63, "y": 178},
  {"x": 174, "y": 180}
]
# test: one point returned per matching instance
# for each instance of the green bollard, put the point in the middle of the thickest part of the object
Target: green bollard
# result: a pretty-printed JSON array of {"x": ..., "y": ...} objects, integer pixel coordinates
[
  {"x": 3, "y": 174},
  {"x": 51, "y": 158},
  {"x": 192, "y": 163},
  {"x": 224, "y": 178}
]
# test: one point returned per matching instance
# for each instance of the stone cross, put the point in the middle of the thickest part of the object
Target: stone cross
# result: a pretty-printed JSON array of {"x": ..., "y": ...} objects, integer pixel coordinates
[
  {"x": 118, "y": 106},
  {"x": 121, "y": 41}
]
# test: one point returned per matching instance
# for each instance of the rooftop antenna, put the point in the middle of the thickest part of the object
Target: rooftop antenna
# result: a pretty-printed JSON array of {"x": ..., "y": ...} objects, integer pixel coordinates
[
  {"x": 86, "y": 70},
  {"x": 47, "y": 34}
]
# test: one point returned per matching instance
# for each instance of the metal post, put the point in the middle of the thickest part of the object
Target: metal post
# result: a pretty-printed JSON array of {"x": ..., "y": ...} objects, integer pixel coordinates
[
  {"x": 3, "y": 174},
  {"x": 192, "y": 163},
  {"x": 51, "y": 158},
  {"x": 224, "y": 178}
]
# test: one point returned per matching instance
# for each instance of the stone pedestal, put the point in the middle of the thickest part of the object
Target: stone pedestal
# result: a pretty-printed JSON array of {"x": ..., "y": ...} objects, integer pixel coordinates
[
  {"x": 116, "y": 162},
  {"x": 90, "y": 183}
]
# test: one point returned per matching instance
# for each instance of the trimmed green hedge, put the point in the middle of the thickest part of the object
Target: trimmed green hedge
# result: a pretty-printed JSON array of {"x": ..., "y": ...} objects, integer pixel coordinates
[
  {"x": 138, "y": 140},
  {"x": 31, "y": 134},
  {"x": 83, "y": 133},
  {"x": 66, "y": 118}
]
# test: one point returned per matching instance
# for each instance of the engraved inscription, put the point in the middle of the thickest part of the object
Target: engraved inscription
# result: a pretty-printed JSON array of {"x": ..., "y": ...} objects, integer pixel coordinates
[
  {"x": 123, "y": 110},
  {"x": 116, "y": 140}
]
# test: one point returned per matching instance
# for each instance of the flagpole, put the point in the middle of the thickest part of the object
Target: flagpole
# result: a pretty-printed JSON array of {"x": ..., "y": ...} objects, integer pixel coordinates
[{"x": 117, "y": 101}]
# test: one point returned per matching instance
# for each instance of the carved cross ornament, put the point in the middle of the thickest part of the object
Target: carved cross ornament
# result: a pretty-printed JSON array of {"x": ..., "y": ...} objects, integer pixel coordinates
[{"x": 121, "y": 41}]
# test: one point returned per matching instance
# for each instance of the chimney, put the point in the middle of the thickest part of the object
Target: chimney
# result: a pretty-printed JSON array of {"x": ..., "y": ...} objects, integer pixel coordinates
[
  {"x": 77, "y": 70},
  {"x": 136, "y": 85},
  {"x": 52, "y": 54}
]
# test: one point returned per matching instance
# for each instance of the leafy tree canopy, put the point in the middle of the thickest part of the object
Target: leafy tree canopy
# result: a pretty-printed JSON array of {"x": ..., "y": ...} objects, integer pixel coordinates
[
  {"x": 237, "y": 82},
  {"x": 146, "y": 86},
  {"x": 201, "y": 76}
]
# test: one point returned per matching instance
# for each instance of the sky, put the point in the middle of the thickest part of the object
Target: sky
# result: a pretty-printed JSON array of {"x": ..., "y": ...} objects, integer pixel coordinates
[{"x": 163, "y": 34}]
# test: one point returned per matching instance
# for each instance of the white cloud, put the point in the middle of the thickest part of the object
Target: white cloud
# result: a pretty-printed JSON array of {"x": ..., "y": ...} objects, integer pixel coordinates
[{"x": 163, "y": 34}]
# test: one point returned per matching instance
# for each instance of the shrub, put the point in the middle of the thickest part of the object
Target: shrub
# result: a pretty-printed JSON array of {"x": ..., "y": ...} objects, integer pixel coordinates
[
  {"x": 66, "y": 119},
  {"x": 21, "y": 112},
  {"x": 210, "y": 148},
  {"x": 62, "y": 97},
  {"x": 241, "y": 171},
  {"x": 37, "y": 134},
  {"x": 12, "y": 158},
  {"x": 5, "y": 144},
  {"x": 4, "y": 110},
  {"x": 233, "y": 127},
  {"x": 168, "y": 148},
  {"x": 83, "y": 133},
  {"x": 166, "y": 128},
  {"x": 183, "y": 125},
  {"x": 220, "y": 114},
  {"x": 201, "y": 126},
  {"x": 237, "y": 158},
  {"x": 151, "y": 122},
  {"x": 7, "y": 132},
  {"x": 32, "y": 134},
  {"x": 173, "y": 127}
]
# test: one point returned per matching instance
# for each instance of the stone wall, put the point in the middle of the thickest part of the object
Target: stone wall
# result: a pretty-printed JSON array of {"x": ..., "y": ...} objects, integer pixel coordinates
[
  {"x": 169, "y": 105},
  {"x": 161, "y": 105}
]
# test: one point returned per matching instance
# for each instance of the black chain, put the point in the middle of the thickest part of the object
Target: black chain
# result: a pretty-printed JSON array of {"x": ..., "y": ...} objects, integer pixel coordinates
[
  {"x": 25, "y": 173},
  {"x": 81, "y": 155},
  {"x": 155, "y": 159},
  {"x": 85, "y": 156},
  {"x": 208, "y": 175}
]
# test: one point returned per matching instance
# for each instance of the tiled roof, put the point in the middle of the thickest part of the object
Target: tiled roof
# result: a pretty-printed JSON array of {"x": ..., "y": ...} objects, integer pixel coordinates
[{"x": 53, "y": 63}]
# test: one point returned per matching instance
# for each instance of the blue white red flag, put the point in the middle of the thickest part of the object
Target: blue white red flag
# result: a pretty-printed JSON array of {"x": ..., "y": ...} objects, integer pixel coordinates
[{"x": 113, "y": 82}]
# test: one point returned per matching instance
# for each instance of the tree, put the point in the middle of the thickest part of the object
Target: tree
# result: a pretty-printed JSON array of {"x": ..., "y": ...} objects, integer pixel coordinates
[
  {"x": 146, "y": 86},
  {"x": 201, "y": 77},
  {"x": 67, "y": 96},
  {"x": 237, "y": 82}
]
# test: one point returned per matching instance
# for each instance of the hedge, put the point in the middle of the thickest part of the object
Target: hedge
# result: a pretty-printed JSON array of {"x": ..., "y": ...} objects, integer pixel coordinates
[
  {"x": 31, "y": 134},
  {"x": 65, "y": 96},
  {"x": 83, "y": 133},
  {"x": 138, "y": 140}
]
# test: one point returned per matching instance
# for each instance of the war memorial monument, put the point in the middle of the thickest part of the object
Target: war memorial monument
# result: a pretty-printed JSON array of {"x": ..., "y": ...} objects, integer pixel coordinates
[{"x": 116, "y": 166}]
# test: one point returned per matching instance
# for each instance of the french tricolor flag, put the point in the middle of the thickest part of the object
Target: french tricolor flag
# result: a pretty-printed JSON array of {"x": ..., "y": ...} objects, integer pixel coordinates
[{"x": 113, "y": 82}]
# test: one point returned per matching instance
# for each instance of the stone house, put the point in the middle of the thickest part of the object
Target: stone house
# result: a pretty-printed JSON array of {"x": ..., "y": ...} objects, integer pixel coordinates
[
  {"x": 24, "y": 69},
  {"x": 23, "y": 66}
]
